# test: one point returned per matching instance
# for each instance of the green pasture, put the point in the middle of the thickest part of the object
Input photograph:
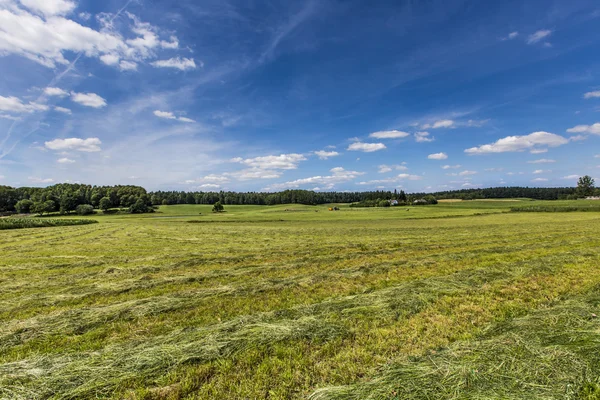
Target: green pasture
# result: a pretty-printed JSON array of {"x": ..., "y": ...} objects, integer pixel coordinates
[{"x": 462, "y": 300}]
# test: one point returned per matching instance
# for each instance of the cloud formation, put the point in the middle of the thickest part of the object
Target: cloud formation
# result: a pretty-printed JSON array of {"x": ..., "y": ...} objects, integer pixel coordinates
[
  {"x": 520, "y": 143},
  {"x": 366, "y": 147},
  {"x": 393, "y": 134},
  {"x": 438, "y": 156},
  {"x": 76, "y": 144}
]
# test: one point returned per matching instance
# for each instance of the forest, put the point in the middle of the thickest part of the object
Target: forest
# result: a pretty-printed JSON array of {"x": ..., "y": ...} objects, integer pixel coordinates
[{"x": 66, "y": 198}]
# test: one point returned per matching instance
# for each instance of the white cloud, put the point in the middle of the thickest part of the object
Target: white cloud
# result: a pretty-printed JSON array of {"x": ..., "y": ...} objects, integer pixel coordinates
[
  {"x": 54, "y": 91},
  {"x": 539, "y": 180},
  {"x": 164, "y": 114},
  {"x": 282, "y": 161},
  {"x": 46, "y": 40},
  {"x": 513, "y": 35},
  {"x": 170, "y": 115},
  {"x": 467, "y": 173},
  {"x": 10, "y": 117},
  {"x": 444, "y": 123},
  {"x": 423, "y": 137},
  {"x": 50, "y": 8},
  {"x": 410, "y": 177},
  {"x": 182, "y": 64},
  {"x": 589, "y": 129},
  {"x": 62, "y": 110},
  {"x": 438, "y": 156},
  {"x": 393, "y": 134},
  {"x": 76, "y": 144},
  {"x": 324, "y": 155},
  {"x": 476, "y": 123},
  {"x": 338, "y": 175},
  {"x": 570, "y": 177},
  {"x": 15, "y": 105},
  {"x": 40, "y": 180},
  {"x": 128, "y": 66},
  {"x": 65, "y": 160},
  {"x": 494, "y": 169},
  {"x": 590, "y": 95},
  {"x": 451, "y": 166},
  {"x": 88, "y": 99},
  {"x": 84, "y": 15},
  {"x": 541, "y": 161},
  {"x": 389, "y": 168},
  {"x": 520, "y": 143},
  {"x": 539, "y": 35},
  {"x": 209, "y": 186},
  {"x": 541, "y": 171},
  {"x": 110, "y": 59},
  {"x": 366, "y": 147}
]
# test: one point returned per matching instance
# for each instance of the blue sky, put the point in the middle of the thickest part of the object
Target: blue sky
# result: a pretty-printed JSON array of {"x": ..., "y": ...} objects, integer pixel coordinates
[{"x": 322, "y": 95}]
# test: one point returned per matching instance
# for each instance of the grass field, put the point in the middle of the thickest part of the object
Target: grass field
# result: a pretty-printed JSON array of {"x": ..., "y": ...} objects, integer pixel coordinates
[{"x": 462, "y": 300}]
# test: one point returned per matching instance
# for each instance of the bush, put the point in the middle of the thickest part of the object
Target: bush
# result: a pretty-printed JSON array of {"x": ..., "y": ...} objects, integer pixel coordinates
[
  {"x": 84, "y": 209},
  {"x": 140, "y": 207},
  {"x": 24, "y": 206},
  {"x": 218, "y": 207},
  {"x": 383, "y": 203}
]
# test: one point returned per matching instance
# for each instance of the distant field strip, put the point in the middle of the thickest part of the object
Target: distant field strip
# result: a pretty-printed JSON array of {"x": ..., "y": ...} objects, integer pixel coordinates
[{"x": 361, "y": 308}]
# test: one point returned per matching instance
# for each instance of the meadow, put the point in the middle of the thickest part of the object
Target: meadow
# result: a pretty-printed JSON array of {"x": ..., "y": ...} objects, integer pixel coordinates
[{"x": 461, "y": 300}]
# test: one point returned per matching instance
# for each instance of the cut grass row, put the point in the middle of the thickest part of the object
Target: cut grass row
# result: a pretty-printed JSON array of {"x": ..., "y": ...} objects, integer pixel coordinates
[{"x": 22, "y": 223}]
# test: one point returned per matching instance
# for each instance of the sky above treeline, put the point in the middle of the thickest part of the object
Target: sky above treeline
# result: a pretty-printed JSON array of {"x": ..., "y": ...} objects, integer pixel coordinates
[{"x": 319, "y": 94}]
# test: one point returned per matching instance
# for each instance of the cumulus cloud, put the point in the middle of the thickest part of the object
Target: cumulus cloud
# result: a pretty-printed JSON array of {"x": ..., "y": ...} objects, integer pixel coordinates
[
  {"x": 324, "y": 155},
  {"x": 41, "y": 32},
  {"x": 541, "y": 171},
  {"x": 50, "y": 8},
  {"x": 590, "y": 95},
  {"x": 467, "y": 173},
  {"x": 438, "y": 156},
  {"x": 182, "y": 64},
  {"x": 76, "y": 144},
  {"x": 62, "y": 110},
  {"x": 15, "y": 105},
  {"x": 65, "y": 160},
  {"x": 451, "y": 166},
  {"x": 88, "y": 99},
  {"x": 128, "y": 66},
  {"x": 593, "y": 129},
  {"x": 389, "y": 168},
  {"x": 338, "y": 175},
  {"x": 421, "y": 137},
  {"x": 282, "y": 161},
  {"x": 541, "y": 161},
  {"x": 540, "y": 180},
  {"x": 539, "y": 35},
  {"x": 511, "y": 36},
  {"x": 393, "y": 134},
  {"x": 209, "y": 186},
  {"x": 54, "y": 91},
  {"x": 366, "y": 147},
  {"x": 570, "y": 177},
  {"x": 520, "y": 143}
]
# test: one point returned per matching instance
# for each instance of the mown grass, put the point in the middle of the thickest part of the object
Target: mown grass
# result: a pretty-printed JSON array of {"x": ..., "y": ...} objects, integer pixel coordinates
[
  {"x": 558, "y": 208},
  {"x": 344, "y": 305},
  {"x": 22, "y": 223}
]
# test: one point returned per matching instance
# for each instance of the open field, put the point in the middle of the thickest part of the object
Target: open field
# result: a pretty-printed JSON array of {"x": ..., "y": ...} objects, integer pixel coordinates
[{"x": 462, "y": 300}]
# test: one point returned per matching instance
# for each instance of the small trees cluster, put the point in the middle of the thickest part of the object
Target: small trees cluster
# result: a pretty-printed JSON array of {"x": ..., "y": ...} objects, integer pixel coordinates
[{"x": 218, "y": 207}]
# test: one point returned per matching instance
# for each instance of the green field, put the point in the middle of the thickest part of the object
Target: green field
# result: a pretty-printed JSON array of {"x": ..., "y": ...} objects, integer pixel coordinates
[{"x": 462, "y": 300}]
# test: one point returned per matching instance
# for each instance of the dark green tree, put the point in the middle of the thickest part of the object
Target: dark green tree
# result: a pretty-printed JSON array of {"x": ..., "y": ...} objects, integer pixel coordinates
[
  {"x": 585, "y": 186},
  {"x": 24, "y": 206},
  {"x": 218, "y": 207},
  {"x": 105, "y": 204}
]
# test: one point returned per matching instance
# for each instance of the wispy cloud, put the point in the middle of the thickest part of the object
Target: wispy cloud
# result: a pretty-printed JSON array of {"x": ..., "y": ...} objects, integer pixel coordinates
[{"x": 538, "y": 36}]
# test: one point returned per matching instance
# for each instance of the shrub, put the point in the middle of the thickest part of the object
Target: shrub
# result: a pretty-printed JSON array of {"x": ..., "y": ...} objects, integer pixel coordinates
[
  {"x": 24, "y": 206},
  {"x": 84, "y": 209}
]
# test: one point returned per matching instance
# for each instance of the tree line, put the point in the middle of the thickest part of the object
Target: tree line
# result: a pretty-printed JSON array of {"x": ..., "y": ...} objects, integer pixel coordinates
[{"x": 67, "y": 198}]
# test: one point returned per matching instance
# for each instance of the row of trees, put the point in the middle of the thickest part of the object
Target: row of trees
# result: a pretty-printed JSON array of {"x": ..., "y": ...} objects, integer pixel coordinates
[{"x": 67, "y": 198}]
